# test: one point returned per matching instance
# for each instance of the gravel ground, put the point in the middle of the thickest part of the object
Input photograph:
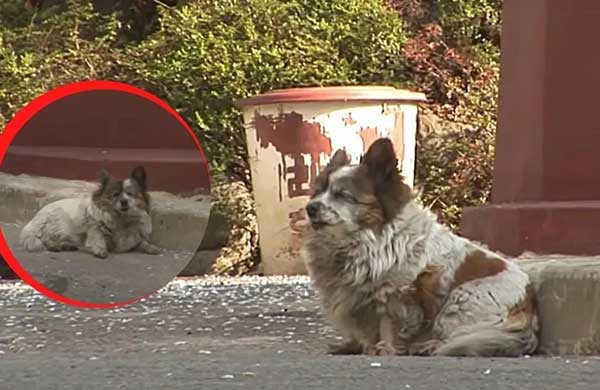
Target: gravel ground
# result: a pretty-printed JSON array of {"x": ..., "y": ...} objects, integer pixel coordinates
[{"x": 252, "y": 332}]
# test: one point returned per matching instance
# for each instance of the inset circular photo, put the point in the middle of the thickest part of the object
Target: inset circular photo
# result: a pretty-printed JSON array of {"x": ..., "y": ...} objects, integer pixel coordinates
[{"x": 104, "y": 194}]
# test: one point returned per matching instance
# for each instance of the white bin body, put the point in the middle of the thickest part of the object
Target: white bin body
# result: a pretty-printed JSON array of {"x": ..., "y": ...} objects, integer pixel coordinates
[{"x": 290, "y": 142}]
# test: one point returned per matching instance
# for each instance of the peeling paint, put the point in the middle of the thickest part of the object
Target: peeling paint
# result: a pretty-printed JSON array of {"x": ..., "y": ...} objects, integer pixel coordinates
[
  {"x": 293, "y": 137},
  {"x": 293, "y": 142}
]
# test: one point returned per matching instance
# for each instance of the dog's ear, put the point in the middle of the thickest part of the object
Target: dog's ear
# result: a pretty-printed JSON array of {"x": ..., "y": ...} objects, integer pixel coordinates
[
  {"x": 381, "y": 160},
  {"x": 382, "y": 165},
  {"x": 103, "y": 179},
  {"x": 139, "y": 175},
  {"x": 339, "y": 159},
  {"x": 320, "y": 183}
]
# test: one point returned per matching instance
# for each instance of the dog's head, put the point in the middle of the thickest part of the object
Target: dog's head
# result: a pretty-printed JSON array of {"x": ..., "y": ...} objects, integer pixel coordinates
[
  {"x": 355, "y": 197},
  {"x": 123, "y": 197}
]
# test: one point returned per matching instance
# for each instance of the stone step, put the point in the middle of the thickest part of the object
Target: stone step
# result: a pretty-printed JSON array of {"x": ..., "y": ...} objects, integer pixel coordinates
[
  {"x": 179, "y": 223},
  {"x": 568, "y": 292}
]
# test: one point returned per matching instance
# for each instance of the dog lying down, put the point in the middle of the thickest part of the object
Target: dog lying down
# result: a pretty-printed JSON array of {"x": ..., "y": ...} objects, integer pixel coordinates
[
  {"x": 394, "y": 281},
  {"x": 114, "y": 218}
]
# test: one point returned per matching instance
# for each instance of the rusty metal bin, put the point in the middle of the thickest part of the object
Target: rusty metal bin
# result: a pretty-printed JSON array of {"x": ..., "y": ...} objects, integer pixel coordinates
[{"x": 291, "y": 135}]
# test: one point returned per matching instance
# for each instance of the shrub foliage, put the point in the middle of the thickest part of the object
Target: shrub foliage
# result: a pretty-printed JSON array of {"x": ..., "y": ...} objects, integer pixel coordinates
[
  {"x": 201, "y": 55},
  {"x": 208, "y": 53}
]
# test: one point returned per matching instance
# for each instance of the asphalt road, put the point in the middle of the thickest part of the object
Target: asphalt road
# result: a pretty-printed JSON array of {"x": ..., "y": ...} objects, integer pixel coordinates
[{"x": 251, "y": 333}]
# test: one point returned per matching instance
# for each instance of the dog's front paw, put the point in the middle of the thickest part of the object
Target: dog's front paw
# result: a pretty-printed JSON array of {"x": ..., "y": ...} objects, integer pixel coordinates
[
  {"x": 101, "y": 253},
  {"x": 383, "y": 349},
  {"x": 370, "y": 349},
  {"x": 424, "y": 348},
  {"x": 149, "y": 249}
]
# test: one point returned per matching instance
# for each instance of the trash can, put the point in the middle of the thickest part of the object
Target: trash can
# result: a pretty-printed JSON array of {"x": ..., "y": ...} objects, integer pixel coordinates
[{"x": 291, "y": 135}]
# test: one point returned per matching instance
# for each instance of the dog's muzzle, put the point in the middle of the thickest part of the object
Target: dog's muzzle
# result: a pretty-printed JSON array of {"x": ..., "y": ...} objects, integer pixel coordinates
[
  {"x": 313, "y": 210},
  {"x": 123, "y": 206}
]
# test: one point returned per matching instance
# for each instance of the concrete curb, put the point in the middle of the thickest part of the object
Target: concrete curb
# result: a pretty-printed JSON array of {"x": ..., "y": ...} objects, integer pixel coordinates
[
  {"x": 178, "y": 223},
  {"x": 568, "y": 292}
]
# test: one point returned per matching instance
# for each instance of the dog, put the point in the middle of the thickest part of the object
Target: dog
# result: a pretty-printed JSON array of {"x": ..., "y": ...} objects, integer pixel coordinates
[
  {"x": 114, "y": 218},
  {"x": 394, "y": 281}
]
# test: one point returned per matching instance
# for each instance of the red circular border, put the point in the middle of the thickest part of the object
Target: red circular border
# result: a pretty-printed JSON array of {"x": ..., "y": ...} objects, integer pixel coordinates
[{"x": 24, "y": 115}]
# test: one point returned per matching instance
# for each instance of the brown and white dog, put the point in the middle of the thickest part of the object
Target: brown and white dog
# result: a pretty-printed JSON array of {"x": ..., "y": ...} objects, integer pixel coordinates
[
  {"x": 114, "y": 218},
  {"x": 393, "y": 280}
]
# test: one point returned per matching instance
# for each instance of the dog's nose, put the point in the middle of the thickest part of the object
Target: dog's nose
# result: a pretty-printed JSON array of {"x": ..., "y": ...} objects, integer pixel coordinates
[
  {"x": 123, "y": 202},
  {"x": 312, "y": 209}
]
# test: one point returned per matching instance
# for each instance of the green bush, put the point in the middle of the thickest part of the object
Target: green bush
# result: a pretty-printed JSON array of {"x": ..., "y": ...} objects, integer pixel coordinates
[
  {"x": 453, "y": 56},
  {"x": 453, "y": 167},
  {"x": 55, "y": 48},
  {"x": 470, "y": 22},
  {"x": 466, "y": 23},
  {"x": 208, "y": 53},
  {"x": 65, "y": 41},
  {"x": 203, "y": 54}
]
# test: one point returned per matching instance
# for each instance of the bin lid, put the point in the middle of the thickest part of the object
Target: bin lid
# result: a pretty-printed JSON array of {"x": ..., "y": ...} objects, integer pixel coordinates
[{"x": 338, "y": 93}]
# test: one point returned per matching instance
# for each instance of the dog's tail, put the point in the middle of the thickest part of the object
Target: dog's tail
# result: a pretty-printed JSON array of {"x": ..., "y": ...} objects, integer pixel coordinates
[
  {"x": 30, "y": 240},
  {"x": 489, "y": 341},
  {"x": 517, "y": 335}
]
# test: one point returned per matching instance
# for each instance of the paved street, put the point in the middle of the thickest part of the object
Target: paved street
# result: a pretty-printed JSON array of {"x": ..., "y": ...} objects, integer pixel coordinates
[{"x": 211, "y": 333}]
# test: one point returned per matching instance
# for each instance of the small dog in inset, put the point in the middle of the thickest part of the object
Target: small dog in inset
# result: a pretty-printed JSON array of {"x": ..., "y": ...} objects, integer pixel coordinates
[
  {"x": 394, "y": 281},
  {"x": 114, "y": 218}
]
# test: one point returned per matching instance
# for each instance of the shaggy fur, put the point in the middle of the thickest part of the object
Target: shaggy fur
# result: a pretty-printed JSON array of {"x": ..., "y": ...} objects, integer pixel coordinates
[
  {"x": 392, "y": 280},
  {"x": 115, "y": 218}
]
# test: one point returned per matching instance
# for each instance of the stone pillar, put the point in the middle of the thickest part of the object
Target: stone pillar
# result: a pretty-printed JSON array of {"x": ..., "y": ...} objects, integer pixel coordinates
[{"x": 546, "y": 189}]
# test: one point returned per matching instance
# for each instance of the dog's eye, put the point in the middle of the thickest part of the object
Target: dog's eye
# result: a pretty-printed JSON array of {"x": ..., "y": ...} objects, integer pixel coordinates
[
  {"x": 345, "y": 195},
  {"x": 116, "y": 194}
]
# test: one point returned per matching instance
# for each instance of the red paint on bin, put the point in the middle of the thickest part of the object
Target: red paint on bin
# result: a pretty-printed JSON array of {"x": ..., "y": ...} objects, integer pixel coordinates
[
  {"x": 292, "y": 136},
  {"x": 368, "y": 136},
  {"x": 293, "y": 133}
]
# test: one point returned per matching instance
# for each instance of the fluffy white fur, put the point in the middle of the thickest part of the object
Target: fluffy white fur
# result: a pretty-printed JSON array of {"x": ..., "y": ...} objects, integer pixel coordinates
[
  {"x": 115, "y": 218},
  {"x": 372, "y": 287},
  {"x": 77, "y": 224}
]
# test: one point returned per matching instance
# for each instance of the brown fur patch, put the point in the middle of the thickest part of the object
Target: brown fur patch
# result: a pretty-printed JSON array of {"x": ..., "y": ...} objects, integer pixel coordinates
[
  {"x": 339, "y": 159},
  {"x": 376, "y": 186},
  {"x": 477, "y": 265},
  {"x": 360, "y": 186},
  {"x": 381, "y": 166},
  {"x": 427, "y": 291},
  {"x": 102, "y": 197},
  {"x": 521, "y": 315},
  {"x": 108, "y": 186},
  {"x": 394, "y": 198},
  {"x": 372, "y": 217},
  {"x": 427, "y": 294}
]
